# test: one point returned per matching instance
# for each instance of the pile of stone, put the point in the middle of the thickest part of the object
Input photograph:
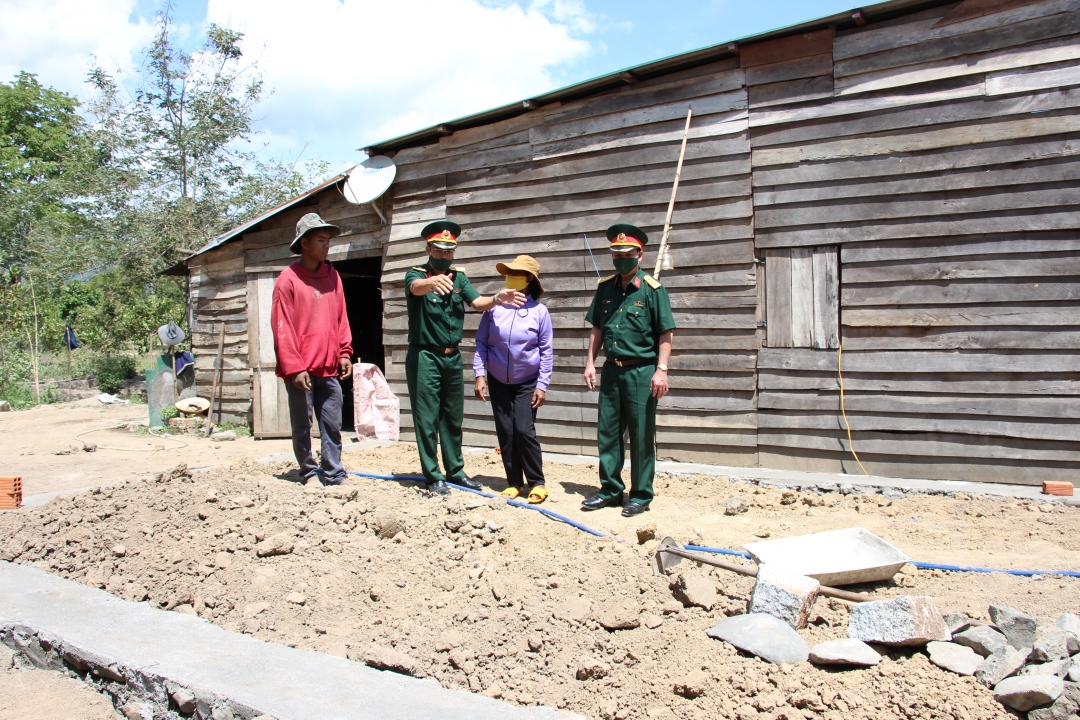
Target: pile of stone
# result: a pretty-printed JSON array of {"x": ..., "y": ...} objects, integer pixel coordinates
[{"x": 1032, "y": 665}]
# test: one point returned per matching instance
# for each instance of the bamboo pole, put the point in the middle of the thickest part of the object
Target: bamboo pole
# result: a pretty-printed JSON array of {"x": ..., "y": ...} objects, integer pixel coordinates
[
  {"x": 671, "y": 202},
  {"x": 217, "y": 374}
]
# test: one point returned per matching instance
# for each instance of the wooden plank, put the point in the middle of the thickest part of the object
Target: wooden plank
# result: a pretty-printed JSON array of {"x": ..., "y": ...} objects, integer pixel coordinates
[
  {"x": 630, "y": 158},
  {"x": 1011, "y": 222},
  {"x": 805, "y": 67},
  {"x": 656, "y": 194},
  {"x": 707, "y": 126},
  {"x": 964, "y": 339},
  {"x": 778, "y": 298},
  {"x": 920, "y": 42},
  {"x": 923, "y": 206},
  {"x": 787, "y": 48},
  {"x": 928, "y": 247},
  {"x": 731, "y": 169},
  {"x": 1003, "y": 406},
  {"x": 905, "y": 118},
  {"x": 935, "y": 446},
  {"x": 951, "y": 361},
  {"x": 988, "y": 131},
  {"x": 1015, "y": 314},
  {"x": 938, "y": 384},
  {"x": 466, "y": 161},
  {"x": 802, "y": 297},
  {"x": 1057, "y": 170},
  {"x": 790, "y": 91},
  {"x": 940, "y": 160},
  {"x": 861, "y": 422},
  {"x": 826, "y": 298},
  {"x": 961, "y": 293},
  {"x": 903, "y": 97},
  {"x": 554, "y": 131},
  {"x": 637, "y": 97},
  {"x": 978, "y": 8},
  {"x": 1034, "y": 265},
  {"x": 1031, "y": 79}
]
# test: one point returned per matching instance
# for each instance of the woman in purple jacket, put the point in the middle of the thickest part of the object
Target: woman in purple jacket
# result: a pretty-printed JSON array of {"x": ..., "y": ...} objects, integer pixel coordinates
[{"x": 513, "y": 361}]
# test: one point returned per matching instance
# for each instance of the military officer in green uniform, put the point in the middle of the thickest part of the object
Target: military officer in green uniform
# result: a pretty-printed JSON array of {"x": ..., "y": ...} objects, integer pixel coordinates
[
  {"x": 631, "y": 318},
  {"x": 436, "y": 295}
]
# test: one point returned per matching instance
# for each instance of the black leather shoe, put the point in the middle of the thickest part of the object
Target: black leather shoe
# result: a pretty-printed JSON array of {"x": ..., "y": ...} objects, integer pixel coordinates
[
  {"x": 596, "y": 502},
  {"x": 439, "y": 486},
  {"x": 466, "y": 481},
  {"x": 632, "y": 508}
]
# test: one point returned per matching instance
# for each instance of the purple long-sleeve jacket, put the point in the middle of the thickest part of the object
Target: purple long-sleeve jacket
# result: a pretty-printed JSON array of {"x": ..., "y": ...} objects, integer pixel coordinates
[{"x": 514, "y": 345}]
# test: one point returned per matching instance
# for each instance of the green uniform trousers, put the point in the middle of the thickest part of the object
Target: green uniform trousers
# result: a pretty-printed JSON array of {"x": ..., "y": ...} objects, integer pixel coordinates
[
  {"x": 626, "y": 403},
  {"x": 437, "y": 394}
]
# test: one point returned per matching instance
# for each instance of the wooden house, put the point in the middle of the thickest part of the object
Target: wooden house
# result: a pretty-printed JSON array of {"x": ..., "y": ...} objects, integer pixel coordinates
[{"x": 902, "y": 180}]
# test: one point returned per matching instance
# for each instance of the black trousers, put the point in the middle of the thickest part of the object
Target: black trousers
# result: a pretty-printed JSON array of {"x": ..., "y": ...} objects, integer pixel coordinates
[{"x": 515, "y": 427}]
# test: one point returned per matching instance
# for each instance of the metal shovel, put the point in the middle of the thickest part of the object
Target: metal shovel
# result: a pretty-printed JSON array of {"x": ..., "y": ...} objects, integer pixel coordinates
[{"x": 670, "y": 553}]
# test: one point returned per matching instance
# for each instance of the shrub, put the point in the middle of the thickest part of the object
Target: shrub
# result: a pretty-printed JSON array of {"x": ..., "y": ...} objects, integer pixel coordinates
[
  {"x": 112, "y": 371},
  {"x": 169, "y": 412}
]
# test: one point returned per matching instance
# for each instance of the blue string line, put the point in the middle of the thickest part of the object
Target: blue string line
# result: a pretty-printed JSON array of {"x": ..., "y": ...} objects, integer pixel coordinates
[
  {"x": 591, "y": 255},
  {"x": 715, "y": 551}
]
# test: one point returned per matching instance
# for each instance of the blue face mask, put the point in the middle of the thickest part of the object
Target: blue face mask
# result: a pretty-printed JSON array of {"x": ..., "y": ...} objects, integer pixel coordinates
[{"x": 440, "y": 264}]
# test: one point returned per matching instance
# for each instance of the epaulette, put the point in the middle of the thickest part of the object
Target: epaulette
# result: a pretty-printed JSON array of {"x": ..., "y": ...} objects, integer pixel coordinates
[
  {"x": 652, "y": 282},
  {"x": 421, "y": 269},
  {"x": 457, "y": 269},
  {"x": 601, "y": 281}
]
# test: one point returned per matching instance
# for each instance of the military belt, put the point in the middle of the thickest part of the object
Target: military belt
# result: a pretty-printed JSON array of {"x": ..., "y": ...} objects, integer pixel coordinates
[
  {"x": 629, "y": 362},
  {"x": 437, "y": 349}
]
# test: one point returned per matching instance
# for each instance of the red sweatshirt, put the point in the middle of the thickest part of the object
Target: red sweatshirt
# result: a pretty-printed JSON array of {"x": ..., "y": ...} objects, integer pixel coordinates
[{"x": 311, "y": 328}]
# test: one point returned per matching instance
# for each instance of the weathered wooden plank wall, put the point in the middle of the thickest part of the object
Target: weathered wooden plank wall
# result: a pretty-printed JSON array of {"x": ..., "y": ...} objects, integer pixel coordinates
[
  {"x": 946, "y": 168},
  {"x": 222, "y": 280},
  {"x": 542, "y": 182}
]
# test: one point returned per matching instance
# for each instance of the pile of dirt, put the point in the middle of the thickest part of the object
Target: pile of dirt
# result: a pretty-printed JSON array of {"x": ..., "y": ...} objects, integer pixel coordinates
[{"x": 499, "y": 600}]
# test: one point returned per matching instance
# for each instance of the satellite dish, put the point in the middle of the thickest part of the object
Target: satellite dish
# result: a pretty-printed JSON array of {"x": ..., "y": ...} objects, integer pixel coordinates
[{"x": 370, "y": 179}]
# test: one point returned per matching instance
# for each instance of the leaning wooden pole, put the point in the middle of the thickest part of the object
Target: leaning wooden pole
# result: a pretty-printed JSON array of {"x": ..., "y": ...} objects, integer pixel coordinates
[
  {"x": 207, "y": 423},
  {"x": 671, "y": 202}
]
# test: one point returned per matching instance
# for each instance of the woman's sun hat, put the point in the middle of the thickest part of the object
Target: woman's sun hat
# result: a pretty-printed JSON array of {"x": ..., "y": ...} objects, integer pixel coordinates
[{"x": 522, "y": 263}]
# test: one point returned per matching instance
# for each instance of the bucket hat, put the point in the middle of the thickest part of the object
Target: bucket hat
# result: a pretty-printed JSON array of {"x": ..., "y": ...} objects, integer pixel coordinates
[
  {"x": 310, "y": 222},
  {"x": 171, "y": 334},
  {"x": 525, "y": 263}
]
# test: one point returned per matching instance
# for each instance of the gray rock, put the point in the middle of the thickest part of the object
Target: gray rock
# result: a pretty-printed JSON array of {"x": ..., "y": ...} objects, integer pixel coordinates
[
  {"x": 1018, "y": 628},
  {"x": 224, "y": 436},
  {"x": 983, "y": 639},
  {"x": 1001, "y": 665},
  {"x": 762, "y": 635},
  {"x": 280, "y": 544},
  {"x": 1066, "y": 707},
  {"x": 957, "y": 622},
  {"x": 892, "y": 493},
  {"x": 905, "y": 620},
  {"x": 736, "y": 505},
  {"x": 1059, "y": 668},
  {"x": 1074, "y": 670},
  {"x": 694, "y": 590},
  {"x": 1050, "y": 643},
  {"x": 1070, "y": 624},
  {"x": 1028, "y": 691},
  {"x": 960, "y": 659},
  {"x": 784, "y": 595},
  {"x": 844, "y": 652},
  {"x": 384, "y": 658}
]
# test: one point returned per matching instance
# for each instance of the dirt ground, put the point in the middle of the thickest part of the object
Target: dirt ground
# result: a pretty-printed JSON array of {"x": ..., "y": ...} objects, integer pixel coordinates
[
  {"x": 504, "y": 601},
  {"x": 46, "y": 695},
  {"x": 31, "y": 440}
]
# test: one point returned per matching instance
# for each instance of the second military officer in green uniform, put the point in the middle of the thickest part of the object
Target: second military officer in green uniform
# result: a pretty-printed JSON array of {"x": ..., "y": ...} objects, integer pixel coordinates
[
  {"x": 631, "y": 319},
  {"x": 436, "y": 295}
]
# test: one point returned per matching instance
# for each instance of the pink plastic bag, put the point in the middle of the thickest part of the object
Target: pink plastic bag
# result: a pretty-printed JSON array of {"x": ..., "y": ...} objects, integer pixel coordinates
[{"x": 376, "y": 410}]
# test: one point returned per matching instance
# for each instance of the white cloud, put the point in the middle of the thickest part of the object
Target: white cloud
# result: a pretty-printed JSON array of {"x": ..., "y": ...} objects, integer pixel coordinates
[
  {"x": 353, "y": 72},
  {"x": 57, "y": 39}
]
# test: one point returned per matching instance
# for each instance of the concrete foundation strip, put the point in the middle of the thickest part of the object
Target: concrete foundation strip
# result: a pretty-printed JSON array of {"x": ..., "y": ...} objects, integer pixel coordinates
[{"x": 137, "y": 653}]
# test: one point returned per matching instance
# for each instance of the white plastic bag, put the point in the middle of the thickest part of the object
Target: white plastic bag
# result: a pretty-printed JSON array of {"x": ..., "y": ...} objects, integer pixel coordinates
[{"x": 376, "y": 410}]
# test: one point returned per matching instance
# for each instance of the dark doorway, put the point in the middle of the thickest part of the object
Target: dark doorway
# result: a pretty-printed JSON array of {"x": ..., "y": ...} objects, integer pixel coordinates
[{"x": 363, "y": 301}]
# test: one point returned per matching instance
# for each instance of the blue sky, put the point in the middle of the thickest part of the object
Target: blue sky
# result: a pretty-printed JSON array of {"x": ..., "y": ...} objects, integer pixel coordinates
[{"x": 348, "y": 73}]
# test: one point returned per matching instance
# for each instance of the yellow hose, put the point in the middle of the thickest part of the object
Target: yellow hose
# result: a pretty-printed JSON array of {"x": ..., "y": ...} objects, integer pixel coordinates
[{"x": 840, "y": 374}]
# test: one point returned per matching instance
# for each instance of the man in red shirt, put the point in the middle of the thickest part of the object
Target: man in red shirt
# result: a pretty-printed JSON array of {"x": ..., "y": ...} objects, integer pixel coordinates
[{"x": 313, "y": 344}]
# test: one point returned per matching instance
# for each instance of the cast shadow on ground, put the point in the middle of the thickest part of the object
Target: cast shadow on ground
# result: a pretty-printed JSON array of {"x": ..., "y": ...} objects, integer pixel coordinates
[{"x": 573, "y": 488}]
